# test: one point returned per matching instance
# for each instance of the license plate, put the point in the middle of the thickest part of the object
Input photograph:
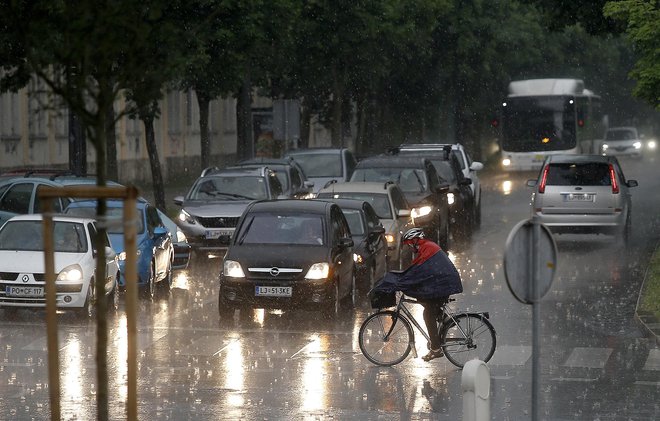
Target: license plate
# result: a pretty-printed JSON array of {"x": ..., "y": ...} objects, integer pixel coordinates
[
  {"x": 12, "y": 291},
  {"x": 215, "y": 234},
  {"x": 261, "y": 291},
  {"x": 580, "y": 197}
]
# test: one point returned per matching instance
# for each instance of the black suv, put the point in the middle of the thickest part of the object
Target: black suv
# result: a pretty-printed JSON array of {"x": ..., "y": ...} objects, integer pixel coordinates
[
  {"x": 211, "y": 208},
  {"x": 462, "y": 203},
  {"x": 290, "y": 254},
  {"x": 424, "y": 190}
]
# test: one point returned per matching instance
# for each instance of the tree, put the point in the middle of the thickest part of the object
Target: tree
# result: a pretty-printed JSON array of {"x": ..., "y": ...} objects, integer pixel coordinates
[{"x": 642, "y": 18}]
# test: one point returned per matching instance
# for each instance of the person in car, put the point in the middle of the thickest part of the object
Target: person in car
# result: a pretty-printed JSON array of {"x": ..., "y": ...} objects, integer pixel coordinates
[{"x": 431, "y": 278}]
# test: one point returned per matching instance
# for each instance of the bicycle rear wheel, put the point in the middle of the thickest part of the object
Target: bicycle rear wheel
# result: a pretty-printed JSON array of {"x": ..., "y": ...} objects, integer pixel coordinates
[
  {"x": 381, "y": 350},
  {"x": 467, "y": 337}
]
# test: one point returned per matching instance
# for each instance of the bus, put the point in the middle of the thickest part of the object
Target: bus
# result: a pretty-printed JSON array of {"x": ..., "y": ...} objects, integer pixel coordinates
[{"x": 541, "y": 117}]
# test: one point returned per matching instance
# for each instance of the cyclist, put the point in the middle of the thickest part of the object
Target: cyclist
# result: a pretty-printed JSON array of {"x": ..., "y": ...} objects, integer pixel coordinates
[{"x": 431, "y": 279}]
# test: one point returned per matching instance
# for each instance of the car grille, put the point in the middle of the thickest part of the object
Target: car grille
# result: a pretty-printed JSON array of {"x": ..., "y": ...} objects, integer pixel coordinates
[
  {"x": 218, "y": 222},
  {"x": 274, "y": 274},
  {"x": 12, "y": 276}
]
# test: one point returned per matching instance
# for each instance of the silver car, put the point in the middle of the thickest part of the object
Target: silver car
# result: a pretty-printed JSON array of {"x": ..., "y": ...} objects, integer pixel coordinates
[
  {"x": 622, "y": 141},
  {"x": 392, "y": 209},
  {"x": 583, "y": 194}
]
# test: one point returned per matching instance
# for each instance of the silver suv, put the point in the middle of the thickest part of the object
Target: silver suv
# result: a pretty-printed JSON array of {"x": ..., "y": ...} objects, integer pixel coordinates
[
  {"x": 392, "y": 209},
  {"x": 583, "y": 194}
]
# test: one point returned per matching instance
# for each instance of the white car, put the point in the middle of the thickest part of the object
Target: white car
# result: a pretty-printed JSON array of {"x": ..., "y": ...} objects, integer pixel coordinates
[
  {"x": 22, "y": 266},
  {"x": 622, "y": 141},
  {"x": 468, "y": 166}
]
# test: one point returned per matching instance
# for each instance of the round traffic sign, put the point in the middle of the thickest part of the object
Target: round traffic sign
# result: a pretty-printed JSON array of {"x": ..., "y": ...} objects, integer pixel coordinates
[{"x": 530, "y": 260}]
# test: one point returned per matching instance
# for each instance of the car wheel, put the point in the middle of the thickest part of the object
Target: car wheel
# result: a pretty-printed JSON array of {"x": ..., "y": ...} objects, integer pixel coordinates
[
  {"x": 352, "y": 299},
  {"x": 169, "y": 278},
  {"x": 477, "y": 213},
  {"x": 371, "y": 280},
  {"x": 113, "y": 298},
  {"x": 626, "y": 231},
  {"x": 151, "y": 283},
  {"x": 89, "y": 300},
  {"x": 334, "y": 306}
]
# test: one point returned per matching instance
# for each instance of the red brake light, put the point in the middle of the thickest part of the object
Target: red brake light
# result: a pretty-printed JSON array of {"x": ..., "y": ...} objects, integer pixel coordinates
[
  {"x": 544, "y": 179},
  {"x": 615, "y": 185}
]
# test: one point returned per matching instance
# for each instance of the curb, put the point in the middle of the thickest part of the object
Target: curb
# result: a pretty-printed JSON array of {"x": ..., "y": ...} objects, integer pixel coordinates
[{"x": 648, "y": 321}]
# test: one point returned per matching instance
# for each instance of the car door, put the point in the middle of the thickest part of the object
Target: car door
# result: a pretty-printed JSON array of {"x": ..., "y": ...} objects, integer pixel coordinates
[
  {"x": 16, "y": 199},
  {"x": 342, "y": 256},
  {"x": 377, "y": 243},
  {"x": 161, "y": 242}
]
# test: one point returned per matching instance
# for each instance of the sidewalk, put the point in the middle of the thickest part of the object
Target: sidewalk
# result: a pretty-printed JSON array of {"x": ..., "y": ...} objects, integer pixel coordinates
[{"x": 648, "y": 320}]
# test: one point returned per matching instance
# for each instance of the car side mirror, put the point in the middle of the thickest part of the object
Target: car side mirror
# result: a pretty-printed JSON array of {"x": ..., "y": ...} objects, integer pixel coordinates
[
  {"x": 345, "y": 242},
  {"x": 403, "y": 213},
  {"x": 178, "y": 200},
  {"x": 376, "y": 231},
  {"x": 476, "y": 166},
  {"x": 309, "y": 184},
  {"x": 632, "y": 183},
  {"x": 531, "y": 183}
]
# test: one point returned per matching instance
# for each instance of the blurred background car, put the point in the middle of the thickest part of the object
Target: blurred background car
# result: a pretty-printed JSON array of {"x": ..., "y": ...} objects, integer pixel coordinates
[
  {"x": 469, "y": 167},
  {"x": 622, "y": 141},
  {"x": 22, "y": 264},
  {"x": 289, "y": 254},
  {"x": 422, "y": 186},
  {"x": 155, "y": 252},
  {"x": 369, "y": 244},
  {"x": 323, "y": 165},
  {"x": 391, "y": 207},
  {"x": 583, "y": 194},
  {"x": 211, "y": 208},
  {"x": 291, "y": 175}
]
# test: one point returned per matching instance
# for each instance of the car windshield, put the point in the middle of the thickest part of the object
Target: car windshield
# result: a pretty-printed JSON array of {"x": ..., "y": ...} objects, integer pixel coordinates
[
  {"x": 378, "y": 201},
  {"x": 410, "y": 180},
  {"x": 68, "y": 237},
  {"x": 620, "y": 134},
  {"x": 282, "y": 229},
  {"x": 444, "y": 170},
  {"x": 114, "y": 217},
  {"x": 327, "y": 164},
  {"x": 587, "y": 174},
  {"x": 354, "y": 220},
  {"x": 229, "y": 188}
]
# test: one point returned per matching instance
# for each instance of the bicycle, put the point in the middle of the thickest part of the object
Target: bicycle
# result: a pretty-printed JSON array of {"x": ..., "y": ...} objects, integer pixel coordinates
[{"x": 387, "y": 337}]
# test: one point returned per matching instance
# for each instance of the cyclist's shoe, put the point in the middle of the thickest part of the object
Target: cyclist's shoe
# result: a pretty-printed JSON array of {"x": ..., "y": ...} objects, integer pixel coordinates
[{"x": 433, "y": 354}]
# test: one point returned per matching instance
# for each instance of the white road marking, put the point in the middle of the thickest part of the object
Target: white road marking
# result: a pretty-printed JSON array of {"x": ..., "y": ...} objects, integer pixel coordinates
[{"x": 588, "y": 357}]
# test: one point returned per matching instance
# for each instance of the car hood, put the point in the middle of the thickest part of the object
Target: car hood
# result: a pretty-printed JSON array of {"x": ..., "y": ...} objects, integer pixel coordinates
[
  {"x": 33, "y": 261},
  {"x": 415, "y": 199},
  {"x": 232, "y": 208},
  {"x": 276, "y": 255}
]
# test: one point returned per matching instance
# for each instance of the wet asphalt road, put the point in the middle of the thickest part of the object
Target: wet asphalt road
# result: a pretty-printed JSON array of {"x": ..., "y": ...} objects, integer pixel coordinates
[{"x": 596, "y": 363}]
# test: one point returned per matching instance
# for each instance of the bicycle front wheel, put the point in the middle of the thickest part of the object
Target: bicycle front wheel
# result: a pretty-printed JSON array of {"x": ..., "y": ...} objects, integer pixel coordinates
[
  {"x": 386, "y": 339},
  {"x": 466, "y": 337}
]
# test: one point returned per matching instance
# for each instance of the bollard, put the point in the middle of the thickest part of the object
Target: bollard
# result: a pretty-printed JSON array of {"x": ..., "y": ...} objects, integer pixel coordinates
[{"x": 476, "y": 391}]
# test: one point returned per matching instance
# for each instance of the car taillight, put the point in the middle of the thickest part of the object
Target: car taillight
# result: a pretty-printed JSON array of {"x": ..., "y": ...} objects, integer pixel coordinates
[
  {"x": 544, "y": 179},
  {"x": 615, "y": 185}
]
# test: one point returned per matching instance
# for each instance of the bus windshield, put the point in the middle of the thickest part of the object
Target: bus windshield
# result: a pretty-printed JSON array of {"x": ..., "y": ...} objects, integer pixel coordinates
[{"x": 541, "y": 123}]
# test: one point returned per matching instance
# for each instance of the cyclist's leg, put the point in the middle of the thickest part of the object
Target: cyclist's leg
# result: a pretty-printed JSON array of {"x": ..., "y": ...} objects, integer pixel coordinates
[{"x": 433, "y": 310}]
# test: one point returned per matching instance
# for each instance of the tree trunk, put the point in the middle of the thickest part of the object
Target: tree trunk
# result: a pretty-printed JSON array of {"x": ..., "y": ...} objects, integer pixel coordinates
[
  {"x": 156, "y": 173},
  {"x": 305, "y": 123},
  {"x": 111, "y": 145},
  {"x": 245, "y": 145},
  {"x": 203, "y": 101}
]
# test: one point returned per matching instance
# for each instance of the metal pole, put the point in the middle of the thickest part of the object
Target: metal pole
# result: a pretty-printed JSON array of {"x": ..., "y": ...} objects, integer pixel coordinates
[
  {"x": 51, "y": 313},
  {"x": 130, "y": 230},
  {"x": 536, "y": 313}
]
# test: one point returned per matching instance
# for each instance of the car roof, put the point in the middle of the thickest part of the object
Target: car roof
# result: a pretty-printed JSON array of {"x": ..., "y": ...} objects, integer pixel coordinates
[
  {"x": 346, "y": 203},
  {"x": 57, "y": 217},
  {"x": 393, "y": 161},
  {"x": 235, "y": 171},
  {"x": 290, "y": 205},
  {"x": 266, "y": 161},
  {"x": 314, "y": 151},
  {"x": 578, "y": 159},
  {"x": 110, "y": 203},
  {"x": 359, "y": 187}
]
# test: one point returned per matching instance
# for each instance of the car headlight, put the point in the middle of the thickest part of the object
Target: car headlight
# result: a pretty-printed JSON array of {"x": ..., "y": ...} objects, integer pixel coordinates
[
  {"x": 233, "y": 269},
  {"x": 450, "y": 198},
  {"x": 318, "y": 271},
  {"x": 357, "y": 258},
  {"x": 186, "y": 217},
  {"x": 506, "y": 162},
  {"x": 71, "y": 273},
  {"x": 637, "y": 145},
  {"x": 604, "y": 146},
  {"x": 390, "y": 238},
  {"x": 421, "y": 211},
  {"x": 180, "y": 237},
  {"x": 651, "y": 144}
]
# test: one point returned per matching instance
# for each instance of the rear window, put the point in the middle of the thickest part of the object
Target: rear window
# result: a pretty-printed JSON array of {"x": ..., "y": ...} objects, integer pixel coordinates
[{"x": 587, "y": 174}]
